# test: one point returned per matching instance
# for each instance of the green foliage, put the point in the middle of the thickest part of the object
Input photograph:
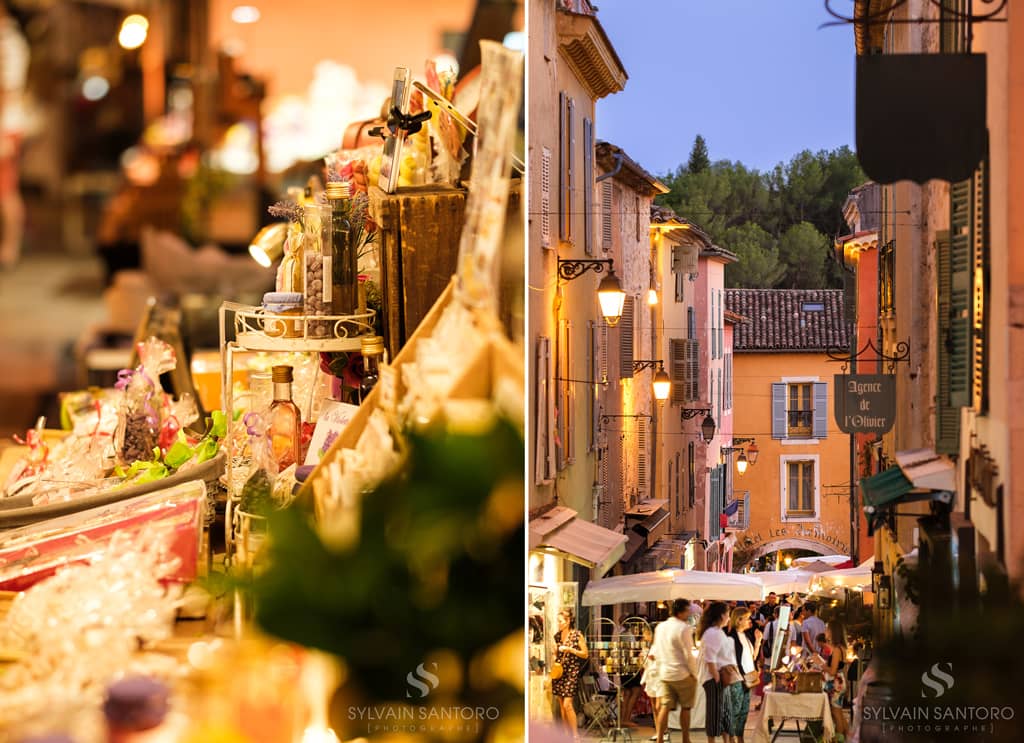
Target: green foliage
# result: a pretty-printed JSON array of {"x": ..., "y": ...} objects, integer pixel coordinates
[
  {"x": 759, "y": 266},
  {"x": 804, "y": 250},
  {"x": 438, "y": 563},
  {"x": 809, "y": 190},
  {"x": 699, "y": 159}
]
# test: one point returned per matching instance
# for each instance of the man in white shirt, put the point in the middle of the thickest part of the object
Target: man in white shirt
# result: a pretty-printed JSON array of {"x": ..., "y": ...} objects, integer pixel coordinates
[
  {"x": 811, "y": 628},
  {"x": 673, "y": 650}
]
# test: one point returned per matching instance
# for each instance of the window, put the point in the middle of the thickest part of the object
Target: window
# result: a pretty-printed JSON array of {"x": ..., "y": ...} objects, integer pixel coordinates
[
  {"x": 566, "y": 165},
  {"x": 887, "y": 279},
  {"x": 684, "y": 368},
  {"x": 813, "y": 307},
  {"x": 800, "y": 409},
  {"x": 691, "y": 323},
  {"x": 800, "y": 413},
  {"x": 740, "y": 518},
  {"x": 799, "y": 488},
  {"x": 679, "y": 487}
]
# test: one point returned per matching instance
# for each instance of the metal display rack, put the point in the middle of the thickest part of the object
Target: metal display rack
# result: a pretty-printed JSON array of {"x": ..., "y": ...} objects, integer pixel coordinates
[
  {"x": 619, "y": 654},
  {"x": 255, "y": 329}
]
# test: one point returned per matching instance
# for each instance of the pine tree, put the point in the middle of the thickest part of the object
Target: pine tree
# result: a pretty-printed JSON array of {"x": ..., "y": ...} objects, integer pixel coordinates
[{"x": 699, "y": 159}]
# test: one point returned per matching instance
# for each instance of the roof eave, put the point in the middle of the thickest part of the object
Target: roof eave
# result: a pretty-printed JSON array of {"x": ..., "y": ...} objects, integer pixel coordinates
[{"x": 589, "y": 53}]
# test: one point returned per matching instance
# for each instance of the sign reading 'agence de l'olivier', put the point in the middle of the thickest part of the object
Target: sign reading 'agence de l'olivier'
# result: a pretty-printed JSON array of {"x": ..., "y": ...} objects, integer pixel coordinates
[{"x": 865, "y": 403}]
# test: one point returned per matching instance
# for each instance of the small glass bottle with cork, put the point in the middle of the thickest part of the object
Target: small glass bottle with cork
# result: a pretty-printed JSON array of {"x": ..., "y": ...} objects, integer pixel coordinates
[{"x": 285, "y": 420}]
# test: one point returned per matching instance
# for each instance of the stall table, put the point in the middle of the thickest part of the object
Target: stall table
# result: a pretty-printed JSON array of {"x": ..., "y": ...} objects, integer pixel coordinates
[{"x": 782, "y": 707}]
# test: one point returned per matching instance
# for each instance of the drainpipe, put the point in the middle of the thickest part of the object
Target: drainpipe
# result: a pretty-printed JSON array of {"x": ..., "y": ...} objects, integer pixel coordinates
[{"x": 618, "y": 157}]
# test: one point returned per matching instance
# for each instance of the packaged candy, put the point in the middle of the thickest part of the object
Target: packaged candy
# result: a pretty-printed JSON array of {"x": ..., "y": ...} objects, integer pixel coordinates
[{"x": 138, "y": 426}]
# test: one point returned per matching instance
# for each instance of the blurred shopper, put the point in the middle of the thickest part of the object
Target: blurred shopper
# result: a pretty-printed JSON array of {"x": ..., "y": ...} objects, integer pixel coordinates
[
  {"x": 712, "y": 640},
  {"x": 14, "y": 55},
  {"x": 677, "y": 668},
  {"x": 739, "y": 654},
  {"x": 651, "y": 679},
  {"x": 571, "y": 651},
  {"x": 812, "y": 627}
]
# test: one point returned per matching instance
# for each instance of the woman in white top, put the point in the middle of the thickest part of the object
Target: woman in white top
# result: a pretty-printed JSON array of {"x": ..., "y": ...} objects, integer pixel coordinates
[
  {"x": 712, "y": 640},
  {"x": 739, "y": 653},
  {"x": 651, "y": 679}
]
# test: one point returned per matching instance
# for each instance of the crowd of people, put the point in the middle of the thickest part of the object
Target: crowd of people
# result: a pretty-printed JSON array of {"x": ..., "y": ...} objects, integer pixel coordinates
[{"x": 714, "y": 653}]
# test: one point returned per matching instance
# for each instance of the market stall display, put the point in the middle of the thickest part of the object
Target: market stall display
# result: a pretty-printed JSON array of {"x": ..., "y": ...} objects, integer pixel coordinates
[{"x": 781, "y": 708}]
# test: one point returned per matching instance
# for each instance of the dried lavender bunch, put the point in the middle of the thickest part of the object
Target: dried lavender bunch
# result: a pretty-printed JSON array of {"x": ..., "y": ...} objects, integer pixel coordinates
[{"x": 286, "y": 209}]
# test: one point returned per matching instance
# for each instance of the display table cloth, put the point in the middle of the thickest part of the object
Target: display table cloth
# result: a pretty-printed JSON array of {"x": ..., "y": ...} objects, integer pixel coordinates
[{"x": 779, "y": 706}]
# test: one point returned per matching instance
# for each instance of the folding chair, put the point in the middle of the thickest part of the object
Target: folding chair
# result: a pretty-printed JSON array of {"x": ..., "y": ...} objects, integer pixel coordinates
[{"x": 598, "y": 708}]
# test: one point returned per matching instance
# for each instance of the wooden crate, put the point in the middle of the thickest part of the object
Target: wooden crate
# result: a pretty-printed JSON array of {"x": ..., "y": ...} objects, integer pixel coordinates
[{"x": 419, "y": 236}]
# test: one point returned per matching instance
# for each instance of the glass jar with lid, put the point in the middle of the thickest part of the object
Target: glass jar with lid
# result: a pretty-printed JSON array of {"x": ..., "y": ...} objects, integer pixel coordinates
[{"x": 279, "y": 306}]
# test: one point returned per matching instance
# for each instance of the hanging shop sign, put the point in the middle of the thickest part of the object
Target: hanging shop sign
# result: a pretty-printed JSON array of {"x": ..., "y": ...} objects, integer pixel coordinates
[
  {"x": 920, "y": 116},
  {"x": 865, "y": 403}
]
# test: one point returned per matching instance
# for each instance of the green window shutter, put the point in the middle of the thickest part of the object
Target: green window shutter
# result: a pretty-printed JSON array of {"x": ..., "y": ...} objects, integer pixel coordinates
[
  {"x": 778, "y": 410},
  {"x": 961, "y": 286},
  {"x": 947, "y": 416}
]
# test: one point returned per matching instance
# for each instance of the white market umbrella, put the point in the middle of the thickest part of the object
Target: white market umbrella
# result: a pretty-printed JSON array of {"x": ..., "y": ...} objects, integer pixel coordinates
[
  {"x": 785, "y": 581},
  {"x": 664, "y": 585},
  {"x": 857, "y": 578},
  {"x": 832, "y": 560}
]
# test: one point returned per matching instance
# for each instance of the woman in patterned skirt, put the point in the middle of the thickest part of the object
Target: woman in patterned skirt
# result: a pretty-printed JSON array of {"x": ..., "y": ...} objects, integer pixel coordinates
[{"x": 571, "y": 652}]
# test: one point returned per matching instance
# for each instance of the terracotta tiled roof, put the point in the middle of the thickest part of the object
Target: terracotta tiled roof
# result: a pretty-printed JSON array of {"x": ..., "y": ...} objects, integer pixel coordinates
[{"x": 787, "y": 319}]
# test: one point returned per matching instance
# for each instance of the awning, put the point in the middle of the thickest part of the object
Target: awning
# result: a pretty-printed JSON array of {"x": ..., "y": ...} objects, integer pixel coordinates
[
  {"x": 920, "y": 474},
  {"x": 559, "y": 531},
  {"x": 633, "y": 545},
  {"x": 653, "y": 527},
  {"x": 884, "y": 488}
]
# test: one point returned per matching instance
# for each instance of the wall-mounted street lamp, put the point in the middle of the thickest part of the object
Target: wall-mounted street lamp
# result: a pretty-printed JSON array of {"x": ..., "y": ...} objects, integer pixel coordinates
[
  {"x": 606, "y": 418},
  {"x": 609, "y": 292},
  {"x": 707, "y": 426},
  {"x": 747, "y": 457},
  {"x": 662, "y": 382}
]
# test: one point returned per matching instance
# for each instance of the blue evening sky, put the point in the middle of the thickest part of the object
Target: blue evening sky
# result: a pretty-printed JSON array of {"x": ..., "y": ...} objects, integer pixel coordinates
[{"x": 757, "y": 78}]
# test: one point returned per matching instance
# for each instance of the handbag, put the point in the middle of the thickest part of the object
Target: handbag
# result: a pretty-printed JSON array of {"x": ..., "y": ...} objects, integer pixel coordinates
[
  {"x": 751, "y": 679},
  {"x": 730, "y": 675},
  {"x": 556, "y": 670}
]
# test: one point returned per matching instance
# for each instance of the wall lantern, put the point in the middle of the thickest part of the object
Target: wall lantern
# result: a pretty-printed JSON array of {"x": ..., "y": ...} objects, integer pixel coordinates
[
  {"x": 707, "y": 426},
  {"x": 662, "y": 382},
  {"x": 610, "y": 295}
]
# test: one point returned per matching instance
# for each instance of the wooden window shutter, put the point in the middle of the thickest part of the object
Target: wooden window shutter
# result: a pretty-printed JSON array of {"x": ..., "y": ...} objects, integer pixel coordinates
[
  {"x": 960, "y": 294},
  {"x": 679, "y": 485},
  {"x": 588, "y": 186},
  {"x": 715, "y": 503},
  {"x": 677, "y": 369},
  {"x": 604, "y": 352},
  {"x": 604, "y": 504},
  {"x": 820, "y": 422},
  {"x": 545, "y": 197},
  {"x": 980, "y": 274},
  {"x": 947, "y": 415},
  {"x": 566, "y": 401},
  {"x": 641, "y": 456},
  {"x": 626, "y": 340},
  {"x": 606, "y": 215},
  {"x": 564, "y": 203},
  {"x": 691, "y": 323},
  {"x": 691, "y": 469},
  {"x": 693, "y": 370},
  {"x": 779, "y": 410},
  {"x": 595, "y": 374},
  {"x": 571, "y": 182},
  {"x": 636, "y": 211},
  {"x": 721, "y": 325},
  {"x": 671, "y": 496},
  {"x": 721, "y": 395},
  {"x": 544, "y": 469}
]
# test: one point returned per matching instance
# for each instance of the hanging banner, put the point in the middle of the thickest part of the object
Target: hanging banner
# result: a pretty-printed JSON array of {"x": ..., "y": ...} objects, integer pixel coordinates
[{"x": 865, "y": 403}]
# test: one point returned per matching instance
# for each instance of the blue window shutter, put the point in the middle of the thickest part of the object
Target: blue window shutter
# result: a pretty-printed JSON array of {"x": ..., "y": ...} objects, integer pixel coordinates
[
  {"x": 820, "y": 429},
  {"x": 778, "y": 410}
]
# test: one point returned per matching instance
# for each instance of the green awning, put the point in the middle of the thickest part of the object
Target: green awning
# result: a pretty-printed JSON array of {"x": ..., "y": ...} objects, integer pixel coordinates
[{"x": 884, "y": 488}]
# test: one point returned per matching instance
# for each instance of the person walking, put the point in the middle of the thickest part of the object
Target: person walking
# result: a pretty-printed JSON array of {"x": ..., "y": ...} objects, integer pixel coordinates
[
  {"x": 812, "y": 627},
  {"x": 738, "y": 654},
  {"x": 677, "y": 669},
  {"x": 712, "y": 640},
  {"x": 651, "y": 679},
  {"x": 571, "y": 651}
]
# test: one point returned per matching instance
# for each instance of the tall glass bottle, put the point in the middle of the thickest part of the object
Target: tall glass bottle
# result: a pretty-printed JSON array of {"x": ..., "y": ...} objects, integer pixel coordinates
[
  {"x": 346, "y": 258},
  {"x": 319, "y": 259},
  {"x": 373, "y": 355},
  {"x": 285, "y": 428}
]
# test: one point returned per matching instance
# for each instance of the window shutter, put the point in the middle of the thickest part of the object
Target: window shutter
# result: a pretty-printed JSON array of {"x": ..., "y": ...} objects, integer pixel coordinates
[
  {"x": 671, "y": 495},
  {"x": 691, "y": 322},
  {"x": 641, "y": 456},
  {"x": 566, "y": 401},
  {"x": 678, "y": 369},
  {"x": 636, "y": 211},
  {"x": 626, "y": 340},
  {"x": 544, "y": 460},
  {"x": 693, "y": 370},
  {"x": 571, "y": 182},
  {"x": 545, "y": 197},
  {"x": 721, "y": 395},
  {"x": 820, "y": 424},
  {"x": 564, "y": 205},
  {"x": 604, "y": 352},
  {"x": 715, "y": 504},
  {"x": 960, "y": 286},
  {"x": 947, "y": 416},
  {"x": 606, "y": 215},
  {"x": 778, "y": 410},
  {"x": 605, "y": 508},
  {"x": 980, "y": 273},
  {"x": 588, "y": 186},
  {"x": 679, "y": 486},
  {"x": 691, "y": 468},
  {"x": 595, "y": 374}
]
